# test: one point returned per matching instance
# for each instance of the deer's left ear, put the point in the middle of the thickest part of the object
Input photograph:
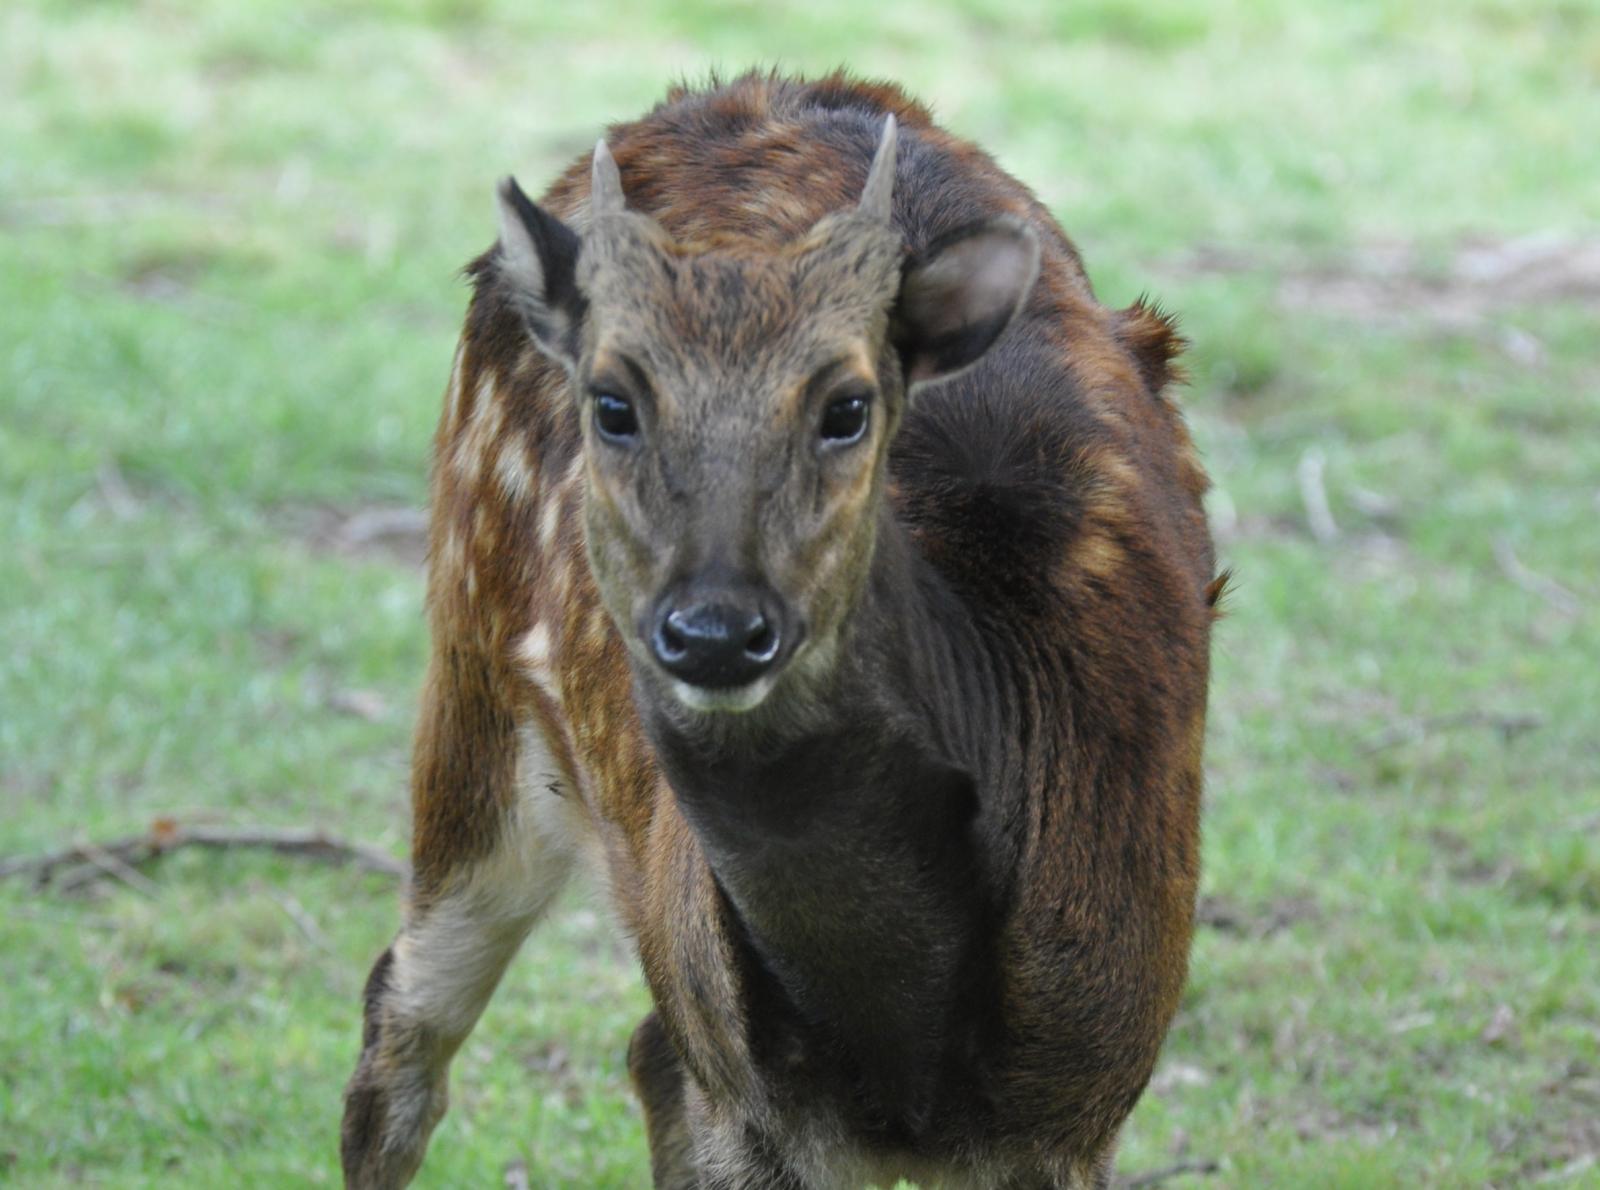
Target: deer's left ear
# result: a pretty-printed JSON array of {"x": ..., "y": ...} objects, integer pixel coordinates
[
  {"x": 538, "y": 261},
  {"x": 959, "y": 293}
]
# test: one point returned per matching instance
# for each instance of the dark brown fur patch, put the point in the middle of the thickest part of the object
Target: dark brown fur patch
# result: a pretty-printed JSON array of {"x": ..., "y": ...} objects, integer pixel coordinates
[{"x": 1151, "y": 335}]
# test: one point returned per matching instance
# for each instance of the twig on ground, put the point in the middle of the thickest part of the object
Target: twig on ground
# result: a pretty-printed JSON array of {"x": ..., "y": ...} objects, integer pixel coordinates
[
  {"x": 111, "y": 866},
  {"x": 1552, "y": 592},
  {"x": 1314, "y": 494},
  {"x": 1373, "y": 505},
  {"x": 1157, "y": 1176},
  {"x": 86, "y": 862},
  {"x": 1509, "y": 725},
  {"x": 313, "y": 843}
]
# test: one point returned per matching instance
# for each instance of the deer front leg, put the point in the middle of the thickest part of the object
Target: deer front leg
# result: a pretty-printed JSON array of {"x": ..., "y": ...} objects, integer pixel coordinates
[
  {"x": 493, "y": 845},
  {"x": 657, "y": 1075},
  {"x": 422, "y": 999}
]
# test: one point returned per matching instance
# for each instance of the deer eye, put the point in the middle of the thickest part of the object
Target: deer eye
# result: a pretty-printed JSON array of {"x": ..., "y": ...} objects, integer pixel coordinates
[
  {"x": 615, "y": 418},
  {"x": 845, "y": 419}
]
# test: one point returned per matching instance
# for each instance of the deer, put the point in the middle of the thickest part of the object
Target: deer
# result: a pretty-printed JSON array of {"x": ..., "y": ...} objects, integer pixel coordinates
[{"x": 817, "y": 562}]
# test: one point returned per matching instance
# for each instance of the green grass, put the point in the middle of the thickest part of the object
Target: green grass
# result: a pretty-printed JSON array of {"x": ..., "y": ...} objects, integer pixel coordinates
[{"x": 228, "y": 242}]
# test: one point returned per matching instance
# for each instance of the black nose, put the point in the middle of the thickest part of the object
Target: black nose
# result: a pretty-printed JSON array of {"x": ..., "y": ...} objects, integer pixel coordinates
[{"x": 716, "y": 643}]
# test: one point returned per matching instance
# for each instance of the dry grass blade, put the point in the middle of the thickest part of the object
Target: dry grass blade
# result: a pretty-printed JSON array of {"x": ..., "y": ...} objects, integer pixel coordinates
[
  {"x": 1552, "y": 592},
  {"x": 303, "y": 921},
  {"x": 1314, "y": 494}
]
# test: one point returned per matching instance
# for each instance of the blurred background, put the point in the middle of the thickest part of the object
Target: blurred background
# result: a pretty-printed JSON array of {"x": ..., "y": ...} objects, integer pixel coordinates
[{"x": 229, "y": 241}]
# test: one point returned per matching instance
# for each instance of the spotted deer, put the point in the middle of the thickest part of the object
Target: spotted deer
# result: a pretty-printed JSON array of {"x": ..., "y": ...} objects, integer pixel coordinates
[{"x": 819, "y": 561}]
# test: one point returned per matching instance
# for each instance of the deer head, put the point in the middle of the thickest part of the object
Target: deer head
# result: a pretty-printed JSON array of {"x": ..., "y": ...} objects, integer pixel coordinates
[{"x": 737, "y": 405}]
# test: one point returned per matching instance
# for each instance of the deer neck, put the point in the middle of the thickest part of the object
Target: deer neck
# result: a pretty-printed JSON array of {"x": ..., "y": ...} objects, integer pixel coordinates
[{"x": 843, "y": 837}]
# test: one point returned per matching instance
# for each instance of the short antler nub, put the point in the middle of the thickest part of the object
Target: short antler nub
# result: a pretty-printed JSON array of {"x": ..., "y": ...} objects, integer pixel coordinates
[
  {"x": 605, "y": 184},
  {"x": 879, "y": 190}
]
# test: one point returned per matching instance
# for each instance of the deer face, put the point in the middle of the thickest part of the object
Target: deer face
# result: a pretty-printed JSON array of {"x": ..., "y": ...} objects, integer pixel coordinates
[{"x": 737, "y": 406}]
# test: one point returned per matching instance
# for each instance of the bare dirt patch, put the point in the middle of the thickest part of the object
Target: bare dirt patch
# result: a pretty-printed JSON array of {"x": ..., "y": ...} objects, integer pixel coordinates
[
  {"x": 392, "y": 532},
  {"x": 1229, "y": 917},
  {"x": 1463, "y": 288}
]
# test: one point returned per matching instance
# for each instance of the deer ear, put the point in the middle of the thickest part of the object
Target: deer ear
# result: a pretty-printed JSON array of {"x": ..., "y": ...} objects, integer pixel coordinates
[
  {"x": 959, "y": 293},
  {"x": 538, "y": 262}
]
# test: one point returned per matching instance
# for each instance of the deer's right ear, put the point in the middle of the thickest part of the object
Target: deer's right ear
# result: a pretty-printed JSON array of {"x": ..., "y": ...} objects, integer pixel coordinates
[
  {"x": 538, "y": 262},
  {"x": 959, "y": 293}
]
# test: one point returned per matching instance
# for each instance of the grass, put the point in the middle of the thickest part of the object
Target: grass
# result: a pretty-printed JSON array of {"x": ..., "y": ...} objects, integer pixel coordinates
[{"x": 228, "y": 242}]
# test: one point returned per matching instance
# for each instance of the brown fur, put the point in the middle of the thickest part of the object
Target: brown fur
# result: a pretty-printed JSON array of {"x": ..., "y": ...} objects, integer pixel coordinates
[{"x": 1071, "y": 529}]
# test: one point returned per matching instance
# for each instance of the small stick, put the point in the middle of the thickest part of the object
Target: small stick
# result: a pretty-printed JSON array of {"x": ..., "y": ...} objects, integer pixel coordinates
[
  {"x": 1314, "y": 494},
  {"x": 313, "y": 843},
  {"x": 118, "y": 857},
  {"x": 1157, "y": 1176},
  {"x": 39, "y": 865},
  {"x": 1545, "y": 588},
  {"x": 118, "y": 870}
]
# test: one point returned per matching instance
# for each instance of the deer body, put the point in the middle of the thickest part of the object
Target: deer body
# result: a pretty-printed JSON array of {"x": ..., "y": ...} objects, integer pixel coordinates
[{"x": 841, "y": 593}]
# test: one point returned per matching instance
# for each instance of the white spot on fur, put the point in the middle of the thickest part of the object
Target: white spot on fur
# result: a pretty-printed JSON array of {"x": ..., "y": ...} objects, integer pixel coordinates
[
  {"x": 535, "y": 647},
  {"x": 549, "y": 523},
  {"x": 512, "y": 470},
  {"x": 561, "y": 577},
  {"x": 480, "y": 433},
  {"x": 454, "y": 552},
  {"x": 533, "y": 651},
  {"x": 482, "y": 528},
  {"x": 454, "y": 389},
  {"x": 486, "y": 406}
]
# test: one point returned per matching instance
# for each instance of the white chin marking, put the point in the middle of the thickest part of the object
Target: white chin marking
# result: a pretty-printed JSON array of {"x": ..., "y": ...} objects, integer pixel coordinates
[{"x": 736, "y": 699}]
